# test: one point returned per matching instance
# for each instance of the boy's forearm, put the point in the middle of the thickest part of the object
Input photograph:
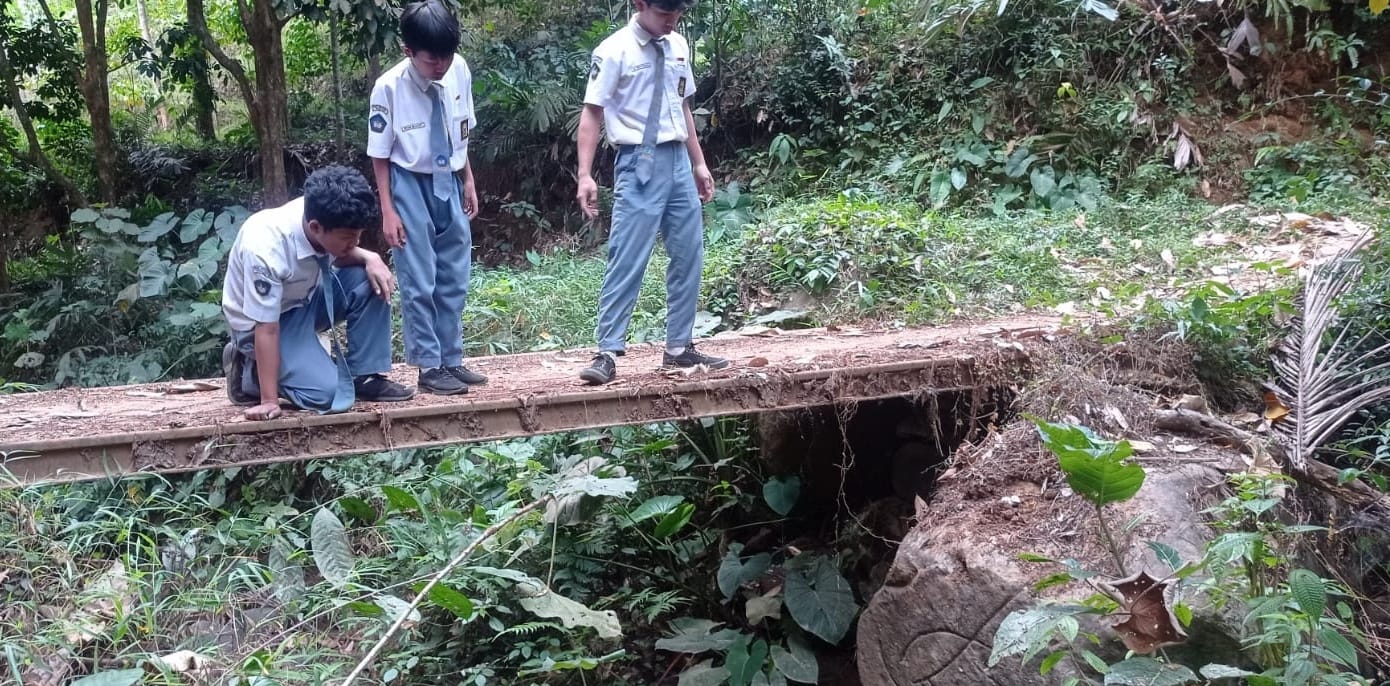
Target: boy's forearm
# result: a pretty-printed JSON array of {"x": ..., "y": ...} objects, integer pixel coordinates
[
  {"x": 267, "y": 341},
  {"x": 692, "y": 142},
  {"x": 589, "y": 121},
  {"x": 381, "y": 171}
]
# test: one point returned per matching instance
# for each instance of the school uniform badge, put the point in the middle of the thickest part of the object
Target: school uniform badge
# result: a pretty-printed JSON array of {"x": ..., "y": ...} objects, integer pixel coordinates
[
  {"x": 680, "y": 87},
  {"x": 593, "y": 71},
  {"x": 378, "y": 123},
  {"x": 463, "y": 130},
  {"x": 262, "y": 287}
]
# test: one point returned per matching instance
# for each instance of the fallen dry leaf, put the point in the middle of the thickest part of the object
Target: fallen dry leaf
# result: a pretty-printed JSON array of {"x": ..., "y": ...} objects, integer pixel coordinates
[
  {"x": 146, "y": 394},
  {"x": 758, "y": 362},
  {"x": 1142, "y": 446},
  {"x": 184, "y": 661},
  {"x": 1168, "y": 259},
  {"x": 194, "y": 387},
  {"x": 1151, "y": 624},
  {"x": 1275, "y": 409},
  {"x": 1182, "y": 448}
]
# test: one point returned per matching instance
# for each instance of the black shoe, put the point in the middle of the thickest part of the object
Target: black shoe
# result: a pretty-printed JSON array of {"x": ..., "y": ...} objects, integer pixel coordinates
[
  {"x": 440, "y": 382},
  {"x": 467, "y": 375},
  {"x": 375, "y": 388},
  {"x": 233, "y": 368},
  {"x": 690, "y": 357},
  {"x": 600, "y": 371}
]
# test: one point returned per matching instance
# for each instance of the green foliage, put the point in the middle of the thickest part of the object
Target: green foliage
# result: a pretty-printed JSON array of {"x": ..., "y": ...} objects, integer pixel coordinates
[
  {"x": 123, "y": 302},
  {"x": 1097, "y": 469},
  {"x": 1290, "y": 627}
]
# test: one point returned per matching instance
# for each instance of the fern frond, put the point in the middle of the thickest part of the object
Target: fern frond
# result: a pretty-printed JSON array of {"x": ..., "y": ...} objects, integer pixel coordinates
[
  {"x": 1325, "y": 377},
  {"x": 527, "y": 628}
]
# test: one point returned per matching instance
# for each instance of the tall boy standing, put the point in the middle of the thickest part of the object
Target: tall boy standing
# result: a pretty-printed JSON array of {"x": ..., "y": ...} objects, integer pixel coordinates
[
  {"x": 418, "y": 126},
  {"x": 638, "y": 88}
]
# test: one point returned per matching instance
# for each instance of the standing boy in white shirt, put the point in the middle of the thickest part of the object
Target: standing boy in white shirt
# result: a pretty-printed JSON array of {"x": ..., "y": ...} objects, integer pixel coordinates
[
  {"x": 417, "y": 137},
  {"x": 639, "y": 83}
]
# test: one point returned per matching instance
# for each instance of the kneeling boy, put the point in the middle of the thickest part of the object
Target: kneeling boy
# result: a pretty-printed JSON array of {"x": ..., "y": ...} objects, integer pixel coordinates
[{"x": 281, "y": 291}]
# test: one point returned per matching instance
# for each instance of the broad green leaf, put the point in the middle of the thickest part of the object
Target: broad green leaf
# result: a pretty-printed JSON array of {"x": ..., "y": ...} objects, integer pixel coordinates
[
  {"x": 1338, "y": 646},
  {"x": 1146, "y": 671},
  {"x": 501, "y": 573},
  {"x": 359, "y": 509},
  {"x": 1026, "y": 632},
  {"x": 396, "y": 608},
  {"x": 1183, "y": 612},
  {"x": 400, "y": 499},
  {"x": 940, "y": 188},
  {"x": 655, "y": 507},
  {"x": 703, "y": 674},
  {"x": 820, "y": 600},
  {"x": 781, "y": 493},
  {"x": 958, "y": 178},
  {"x": 1051, "y": 580},
  {"x": 157, "y": 228},
  {"x": 693, "y": 636},
  {"x": 1309, "y": 591},
  {"x": 154, "y": 273},
  {"x": 1095, "y": 662},
  {"x": 287, "y": 577},
  {"x": 451, "y": 600},
  {"x": 1051, "y": 661},
  {"x": 85, "y": 215},
  {"x": 745, "y": 660},
  {"x": 197, "y": 223},
  {"x": 1034, "y": 557},
  {"x": 1095, "y": 468},
  {"x": 1215, "y": 671},
  {"x": 674, "y": 521},
  {"x": 332, "y": 552},
  {"x": 1043, "y": 181},
  {"x": 542, "y": 601},
  {"x": 1166, "y": 554},
  {"x": 797, "y": 661},
  {"x": 1101, "y": 9},
  {"x": 589, "y": 484},
  {"x": 120, "y": 677},
  {"x": 734, "y": 572}
]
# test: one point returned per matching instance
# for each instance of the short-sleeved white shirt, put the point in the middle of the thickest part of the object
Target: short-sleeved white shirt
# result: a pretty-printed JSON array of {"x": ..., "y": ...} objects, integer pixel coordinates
[
  {"x": 398, "y": 122},
  {"x": 620, "y": 81},
  {"x": 272, "y": 267}
]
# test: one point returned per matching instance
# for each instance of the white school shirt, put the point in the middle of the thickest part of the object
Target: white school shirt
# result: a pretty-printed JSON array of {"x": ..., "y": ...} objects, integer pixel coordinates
[
  {"x": 272, "y": 267},
  {"x": 398, "y": 123},
  {"x": 620, "y": 81}
]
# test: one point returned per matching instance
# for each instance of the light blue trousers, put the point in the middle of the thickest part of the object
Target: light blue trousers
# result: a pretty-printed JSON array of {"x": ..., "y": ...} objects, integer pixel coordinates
[
  {"x": 668, "y": 205},
  {"x": 432, "y": 269},
  {"x": 308, "y": 375}
]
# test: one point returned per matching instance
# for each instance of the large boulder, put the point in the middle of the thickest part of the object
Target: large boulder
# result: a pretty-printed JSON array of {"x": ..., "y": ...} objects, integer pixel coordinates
[{"x": 957, "y": 574}]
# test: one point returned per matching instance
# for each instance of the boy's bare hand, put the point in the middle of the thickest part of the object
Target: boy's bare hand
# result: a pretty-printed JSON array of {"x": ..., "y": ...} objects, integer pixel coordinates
[
  {"x": 379, "y": 275},
  {"x": 263, "y": 411},
  {"x": 704, "y": 183},
  {"x": 588, "y": 196},
  {"x": 392, "y": 228}
]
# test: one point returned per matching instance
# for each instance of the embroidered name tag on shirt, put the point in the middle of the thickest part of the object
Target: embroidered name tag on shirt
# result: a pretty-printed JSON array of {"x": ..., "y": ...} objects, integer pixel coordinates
[{"x": 412, "y": 127}]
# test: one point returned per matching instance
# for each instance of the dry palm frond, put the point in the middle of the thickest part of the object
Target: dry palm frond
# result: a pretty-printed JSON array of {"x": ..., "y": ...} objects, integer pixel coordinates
[{"x": 1324, "y": 377}]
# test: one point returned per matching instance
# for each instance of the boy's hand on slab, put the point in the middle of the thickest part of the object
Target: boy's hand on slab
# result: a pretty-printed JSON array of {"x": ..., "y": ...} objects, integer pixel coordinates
[{"x": 263, "y": 411}]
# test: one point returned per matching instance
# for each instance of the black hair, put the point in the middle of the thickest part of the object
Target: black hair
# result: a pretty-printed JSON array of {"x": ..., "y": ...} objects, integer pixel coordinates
[
  {"x": 672, "y": 5},
  {"x": 430, "y": 26},
  {"x": 339, "y": 198}
]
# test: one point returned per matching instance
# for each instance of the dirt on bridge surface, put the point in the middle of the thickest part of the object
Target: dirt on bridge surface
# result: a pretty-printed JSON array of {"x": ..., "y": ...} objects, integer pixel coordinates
[{"x": 74, "y": 413}]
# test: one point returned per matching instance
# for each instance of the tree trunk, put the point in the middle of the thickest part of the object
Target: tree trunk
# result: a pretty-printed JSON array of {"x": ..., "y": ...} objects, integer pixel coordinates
[
  {"x": 161, "y": 112},
  {"x": 272, "y": 98},
  {"x": 339, "y": 136},
  {"x": 204, "y": 99},
  {"x": 36, "y": 155},
  {"x": 91, "y": 22}
]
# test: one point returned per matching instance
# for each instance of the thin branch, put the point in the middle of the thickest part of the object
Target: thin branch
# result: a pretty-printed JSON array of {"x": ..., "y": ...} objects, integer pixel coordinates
[
  {"x": 198, "y": 20},
  {"x": 36, "y": 154},
  {"x": 419, "y": 597}
]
